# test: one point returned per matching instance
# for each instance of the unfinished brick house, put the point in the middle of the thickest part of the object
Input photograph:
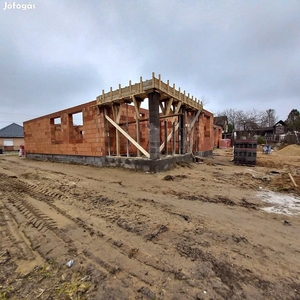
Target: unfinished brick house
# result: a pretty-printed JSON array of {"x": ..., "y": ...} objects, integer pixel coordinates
[{"x": 115, "y": 131}]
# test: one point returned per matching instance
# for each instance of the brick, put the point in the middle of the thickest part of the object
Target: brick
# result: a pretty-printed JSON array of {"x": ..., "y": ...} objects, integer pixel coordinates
[{"x": 43, "y": 136}]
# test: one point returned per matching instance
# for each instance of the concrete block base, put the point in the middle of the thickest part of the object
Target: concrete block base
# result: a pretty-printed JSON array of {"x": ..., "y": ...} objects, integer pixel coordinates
[
  {"x": 204, "y": 153},
  {"x": 134, "y": 163}
]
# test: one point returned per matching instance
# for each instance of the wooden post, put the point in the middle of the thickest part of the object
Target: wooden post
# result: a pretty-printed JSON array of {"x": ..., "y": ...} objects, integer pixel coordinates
[
  {"x": 179, "y": 134},
  {"x": 182, "y": 131},
  {"x": 166, "y": 137},
  {"x": 168, "y": 106},
  {"x": 127, "y": 141},
  {"x": 117, "y": 115},
  {"x": 176, "y": 127},
  {"x": 107, "y": 132},
  {"x": 195, "y": 119},
  {"x": 162, "y": 107},
  {"x": 141, "y": 84},
  {"x": 137, "y": 105},
  {"x": 191, "y": 130},
  {"x": 138, "y": 136},
  {"x": 159, "y": 81},
  {"x": 174, "y": 139},
  {"x": 128, "y": 136},
  {"x": 293, "y": 180},
  {"x": 197, "y": 138},
  {"x": 191, "y": 139}
]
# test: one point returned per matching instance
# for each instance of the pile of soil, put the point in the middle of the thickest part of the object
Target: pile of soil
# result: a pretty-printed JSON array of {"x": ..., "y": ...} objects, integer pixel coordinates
[{"x": 293, "y": 150}]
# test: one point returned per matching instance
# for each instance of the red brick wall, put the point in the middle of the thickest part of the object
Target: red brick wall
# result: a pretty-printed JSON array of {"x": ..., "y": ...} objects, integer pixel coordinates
[
  {"x": 43, "y": 136},
  {"x": 217, "y": 135},
  {"x": 90, "y": 139},
  {"x": 205, "y": 132},
  {"x": 203, "y": 139}
]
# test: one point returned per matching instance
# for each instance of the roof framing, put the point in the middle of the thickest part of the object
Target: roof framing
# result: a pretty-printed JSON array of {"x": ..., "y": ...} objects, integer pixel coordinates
[{"x": 143, "y": 88}]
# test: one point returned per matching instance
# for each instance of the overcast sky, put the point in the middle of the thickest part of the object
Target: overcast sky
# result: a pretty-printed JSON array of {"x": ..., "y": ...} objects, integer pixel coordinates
[{"x": 239, "y": 54}]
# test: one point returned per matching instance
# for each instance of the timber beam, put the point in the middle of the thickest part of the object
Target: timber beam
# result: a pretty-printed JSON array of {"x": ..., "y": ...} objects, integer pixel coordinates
[
  {"x": 168, "y": 94},
  {"x": 119, "y": 129}
]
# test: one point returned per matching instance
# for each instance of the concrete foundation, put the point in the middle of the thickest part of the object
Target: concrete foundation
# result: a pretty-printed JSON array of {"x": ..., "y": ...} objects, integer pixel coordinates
[
  {"x": 139, "y": 164},
  {"x": 204, "y": 153}
]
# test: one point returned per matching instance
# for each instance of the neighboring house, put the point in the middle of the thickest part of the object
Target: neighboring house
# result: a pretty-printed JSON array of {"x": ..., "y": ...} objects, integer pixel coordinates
[
  {"x": 273, "y": 133},
  {"x": 270, "y": 134},
  {"x": 280, "y": 128},
  {"x": 266, "y": 132},
  {"x": 11, "y": 137}
]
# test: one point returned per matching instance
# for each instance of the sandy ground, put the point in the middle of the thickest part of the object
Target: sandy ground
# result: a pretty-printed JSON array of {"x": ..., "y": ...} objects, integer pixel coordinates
[{"x": 210, "y": 230}]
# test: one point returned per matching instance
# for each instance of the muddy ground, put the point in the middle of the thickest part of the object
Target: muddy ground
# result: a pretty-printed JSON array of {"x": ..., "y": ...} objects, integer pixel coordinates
[{"x": 196, "y": 232}]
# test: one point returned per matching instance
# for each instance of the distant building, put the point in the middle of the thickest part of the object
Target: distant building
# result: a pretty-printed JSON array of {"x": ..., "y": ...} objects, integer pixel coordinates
[
  {"x": 11, "y": 137},
  {"x": 269, "y": 134},
  {"x": 221, "y": 121},
  {"x": 280, "y": 128}
]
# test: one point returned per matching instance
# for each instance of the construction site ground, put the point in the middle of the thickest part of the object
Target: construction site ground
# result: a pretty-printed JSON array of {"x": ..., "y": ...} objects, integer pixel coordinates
[{"x": 205, "y": 230}]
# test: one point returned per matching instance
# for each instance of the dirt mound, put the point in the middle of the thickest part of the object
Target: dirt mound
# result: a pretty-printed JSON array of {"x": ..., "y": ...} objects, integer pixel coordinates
[
  {"x": 293, "y": 150},
  {"x": 268, "y": 163}
]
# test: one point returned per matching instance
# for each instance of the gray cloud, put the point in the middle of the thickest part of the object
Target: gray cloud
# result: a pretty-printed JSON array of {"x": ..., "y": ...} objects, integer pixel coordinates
[{"x": 240, "y": 54}]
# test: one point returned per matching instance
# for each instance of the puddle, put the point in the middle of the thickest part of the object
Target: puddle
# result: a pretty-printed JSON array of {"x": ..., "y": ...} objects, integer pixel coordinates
[{"x": 281, "y": 204}]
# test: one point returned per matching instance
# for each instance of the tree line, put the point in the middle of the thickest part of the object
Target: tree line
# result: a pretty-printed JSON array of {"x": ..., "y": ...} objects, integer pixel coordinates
[{"x": 251, "y": 120}]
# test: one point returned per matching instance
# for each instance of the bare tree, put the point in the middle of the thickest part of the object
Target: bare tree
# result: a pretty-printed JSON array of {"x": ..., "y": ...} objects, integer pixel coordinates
[
  {"x": 204, "y": 100},
  {"x": 233, "y": 116},
  {"x": 268, "y": 118},
  {"x": 250, "y": 120},
  {"x": 239, "y": 120}
]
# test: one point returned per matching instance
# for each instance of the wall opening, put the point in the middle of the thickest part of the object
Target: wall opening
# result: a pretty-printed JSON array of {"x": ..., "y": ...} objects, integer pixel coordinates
[
  {"x": 76, "y": 131},
  {"x": 57, "y": 121},
  {"x": 56, "y": 130},
  {"x": 77, "y": 119}
]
